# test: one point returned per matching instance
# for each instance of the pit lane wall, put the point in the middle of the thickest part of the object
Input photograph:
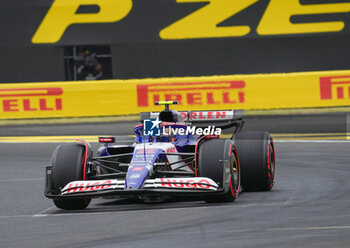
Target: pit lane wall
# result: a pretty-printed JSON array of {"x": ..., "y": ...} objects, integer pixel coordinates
[{"x": 123, "y": 97}]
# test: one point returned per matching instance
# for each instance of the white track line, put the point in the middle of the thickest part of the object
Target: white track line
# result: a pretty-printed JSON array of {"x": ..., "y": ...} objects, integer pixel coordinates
[
  {"x": 20, "y": 180},
  {"x": 313, "y": 228},
  {"x": 16, "y": 216},
  {"x": 282, "y": 229},
  {"x": 62, "y": 214},
  {"x": 42, "y": 213}
]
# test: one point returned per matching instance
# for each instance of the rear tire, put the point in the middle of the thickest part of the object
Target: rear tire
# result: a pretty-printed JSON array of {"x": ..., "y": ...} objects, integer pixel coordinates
[
  {"x": 67, "y": 166},
  {"x": 257, "y": 160},
  {"x": 211, "y": 157}
]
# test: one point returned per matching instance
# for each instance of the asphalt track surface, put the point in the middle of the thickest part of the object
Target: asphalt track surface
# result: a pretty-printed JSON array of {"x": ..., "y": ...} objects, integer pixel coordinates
[{"x": 309, "y": 206}]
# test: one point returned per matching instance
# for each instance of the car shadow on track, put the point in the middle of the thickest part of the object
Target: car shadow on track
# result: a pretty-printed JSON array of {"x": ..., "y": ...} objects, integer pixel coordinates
[
  {"x": 112, "y": 204},
  {"x": 134, "y": 204}
]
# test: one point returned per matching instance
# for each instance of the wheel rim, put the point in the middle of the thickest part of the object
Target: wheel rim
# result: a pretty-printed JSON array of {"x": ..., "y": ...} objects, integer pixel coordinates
[
  {"x": 271, "y": 164},
  {"x": 234, "y": 167}
]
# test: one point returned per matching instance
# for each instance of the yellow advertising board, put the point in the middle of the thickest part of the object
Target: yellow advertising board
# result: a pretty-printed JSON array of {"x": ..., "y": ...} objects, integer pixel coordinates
[{"x": 123, "y": 97}]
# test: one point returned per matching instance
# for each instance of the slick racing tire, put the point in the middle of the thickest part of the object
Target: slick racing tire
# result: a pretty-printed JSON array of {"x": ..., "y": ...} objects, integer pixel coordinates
[
  {"x": 218, "y": 160},
  {"x": 257, "y": 160},
  {"x": 67, "y": 166}
]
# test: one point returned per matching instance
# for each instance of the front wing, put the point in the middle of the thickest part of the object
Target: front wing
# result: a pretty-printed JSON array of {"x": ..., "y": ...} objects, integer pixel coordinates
[{"x": 158, "y": 186}]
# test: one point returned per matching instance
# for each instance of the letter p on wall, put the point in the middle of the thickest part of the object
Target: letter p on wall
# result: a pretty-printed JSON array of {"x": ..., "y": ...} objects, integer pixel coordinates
[{"x": 62, "y": 14}]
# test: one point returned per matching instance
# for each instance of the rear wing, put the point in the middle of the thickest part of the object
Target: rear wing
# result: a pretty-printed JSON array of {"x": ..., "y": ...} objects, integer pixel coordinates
[
  {"x": 201, "y": 116},
  {"x": 223, "y": 119}
]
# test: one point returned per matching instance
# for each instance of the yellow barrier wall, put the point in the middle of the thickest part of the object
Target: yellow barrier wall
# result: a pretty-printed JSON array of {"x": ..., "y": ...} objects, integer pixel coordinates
[{"x": 122, "y": 97}]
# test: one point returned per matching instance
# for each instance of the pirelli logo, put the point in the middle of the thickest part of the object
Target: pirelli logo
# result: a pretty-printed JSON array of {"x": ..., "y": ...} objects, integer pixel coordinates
[
  {"x": 31, "y": 99},
  {"x": 192, "y": 93},
  {"x": 337, "y": 87}
]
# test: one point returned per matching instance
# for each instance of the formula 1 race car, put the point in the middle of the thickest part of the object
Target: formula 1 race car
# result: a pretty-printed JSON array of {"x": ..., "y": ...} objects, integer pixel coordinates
[{"x": 174, "y": 154}]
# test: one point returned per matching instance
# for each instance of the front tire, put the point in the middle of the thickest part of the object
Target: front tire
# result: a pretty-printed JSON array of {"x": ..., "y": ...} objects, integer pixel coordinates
[
  {"x": 67, "y": 166},
  {"x": 212, "y": 156}
]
